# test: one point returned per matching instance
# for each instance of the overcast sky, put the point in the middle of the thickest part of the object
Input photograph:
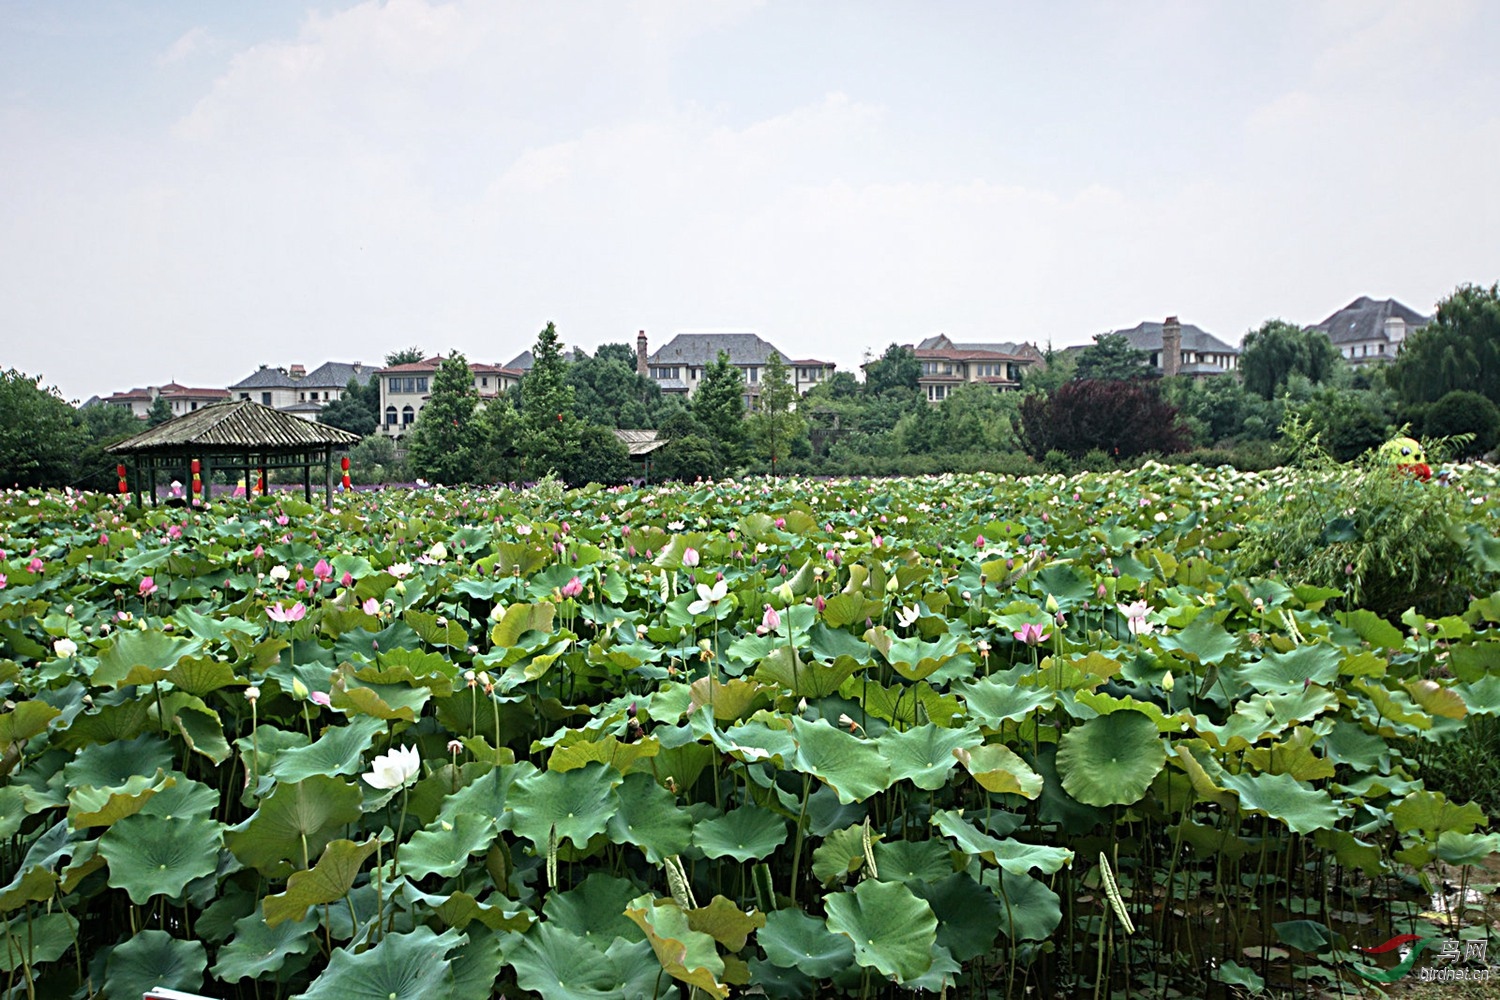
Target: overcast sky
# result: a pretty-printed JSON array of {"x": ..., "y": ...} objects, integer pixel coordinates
[{"x": 189, "y": 190}]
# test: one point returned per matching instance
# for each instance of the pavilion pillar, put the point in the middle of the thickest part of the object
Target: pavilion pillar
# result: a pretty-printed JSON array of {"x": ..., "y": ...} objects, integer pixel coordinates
[{"x": 328, "y": 478}]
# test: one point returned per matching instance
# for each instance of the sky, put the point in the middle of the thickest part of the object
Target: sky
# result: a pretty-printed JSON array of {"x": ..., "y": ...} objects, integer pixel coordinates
[{"x": 189, "y": 190}]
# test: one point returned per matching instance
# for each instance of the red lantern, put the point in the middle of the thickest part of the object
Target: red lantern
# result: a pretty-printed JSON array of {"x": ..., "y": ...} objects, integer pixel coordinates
[
  {"x": 197, "y": 468},
  {"x": 344, "y": 464},
  {"x": 120, "y": 471}
]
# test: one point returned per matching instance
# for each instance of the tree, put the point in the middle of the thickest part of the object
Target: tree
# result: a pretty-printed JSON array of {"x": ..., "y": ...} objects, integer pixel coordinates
[
  {"x": 1459, "y": 349},
  {"x": 1348, "y": 422},
  {"x": 1461, "y": 412},
  {"x": 601, "y": 458},
  {"x": 357, "y": 410},
  {"x": 687, "y": 459},
  {"x": 160, "y": 412},
  {"x": 108, "y": 423},
  {"x": 1110, "y": 356},
  {"x": 40, "y": 436},
  {"x": 1058, "y": 366},
  {"x": 1279, "y": 350},
  {"x": 719, "y": 405},
  {"x": 776, "y": 424},
  {"x": 405, "y": 356},
  {"x": 1121, "y": 418},
  {"x": 608, "y": 391},
  {"x": 447, "y": 443},
  {"x": 549, "y": 428},
  {"x": 897, "y": 370}
]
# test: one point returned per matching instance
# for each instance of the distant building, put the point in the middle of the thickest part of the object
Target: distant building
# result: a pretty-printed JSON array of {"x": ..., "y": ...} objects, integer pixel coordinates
[
  {"x": 181, "y": 398},
  {"x": 679, "y": 366},
  {"x": 1368, "y": 331},
  {"x": 524, "y": 362},
  {"x": 1198, "y": 352},
  {"x": 298, "y": 391},
  {"x": 947, "y": 365},
  {"x": 405, "y": 389}
]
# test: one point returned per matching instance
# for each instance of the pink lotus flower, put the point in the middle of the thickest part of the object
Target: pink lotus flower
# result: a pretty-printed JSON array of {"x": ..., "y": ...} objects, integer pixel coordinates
[
  {"x": 781, "y": 522},
  {"x": 347, "y": 579},
  {"x": 819, "y": 603},
  {"x": 1030, "y": 634},
  {"x": 770, "y": 621},
  {"x": 295, "y": 613},
  {"x": 2, "y": 581},
  {"x": 371, "y": 606},
  {"x": 572, "y": 588},
  {"x": 979, "y": 541},
  {"x": 322, "y": 572},
  {"x": 1135, "y": 616},
  {"x": 259, "y": 551},
  {"x": 283, "y": 520},
  {"x": 147, "y": 587},
  {"x": 301, "y": 585},
  {"x": 690, "y": 556},
  {"x": 174, "y": 531},
  {"x": 320, "y": 698},
  {"x": 36, "y": 565}
]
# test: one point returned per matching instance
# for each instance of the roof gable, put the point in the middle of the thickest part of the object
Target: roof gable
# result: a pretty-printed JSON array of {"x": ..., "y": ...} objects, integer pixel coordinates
[
  {"x": 703, "y": 349},
  {"x": 1147, "y": 337},
  {"x": 1364, "y": 319}
]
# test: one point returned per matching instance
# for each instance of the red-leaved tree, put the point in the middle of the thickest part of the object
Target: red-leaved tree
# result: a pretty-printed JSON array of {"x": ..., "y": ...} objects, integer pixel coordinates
[{"x": 1122, "y": 419}]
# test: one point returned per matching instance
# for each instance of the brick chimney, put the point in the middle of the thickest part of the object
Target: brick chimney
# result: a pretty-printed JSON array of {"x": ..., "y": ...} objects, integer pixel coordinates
[
  {"x": 640, "y": 354},
  {"x": 1171, "y": 347}
]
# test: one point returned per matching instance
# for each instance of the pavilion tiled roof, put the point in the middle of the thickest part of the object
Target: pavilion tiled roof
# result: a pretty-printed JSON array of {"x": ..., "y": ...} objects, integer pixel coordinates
[{"x": 239, "y": 424}]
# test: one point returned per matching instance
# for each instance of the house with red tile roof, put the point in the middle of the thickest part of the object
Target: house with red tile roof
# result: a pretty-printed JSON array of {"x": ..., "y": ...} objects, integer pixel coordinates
[
  {"x": 947, "y": 365},
  {"x": 182, "y": 399}
]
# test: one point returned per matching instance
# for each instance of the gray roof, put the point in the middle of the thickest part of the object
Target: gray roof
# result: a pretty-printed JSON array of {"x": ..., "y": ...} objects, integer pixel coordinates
[
  {"x": 1147, "y": 337},
  {"x": 330, "y": 374},
  {"x": 640, "y": 442},
  {"x": 1364, "y": 319},
  {"x": 524, "y": 361},
  {"x": 702, "y": 349},
  {"x": 242, "y": 423},
  {"x": 942, "y": 342}
]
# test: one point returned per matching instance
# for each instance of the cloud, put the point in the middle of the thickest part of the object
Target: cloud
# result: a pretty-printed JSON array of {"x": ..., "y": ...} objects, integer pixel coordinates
[{"x": 190, "y": 43}]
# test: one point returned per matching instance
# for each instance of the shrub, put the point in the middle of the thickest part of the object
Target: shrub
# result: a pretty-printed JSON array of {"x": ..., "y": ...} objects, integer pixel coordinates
[
  {"x": 1122, "y": 419},
  {"x": 686, "y": 459},
  {"x": 602, "y": 458},
  {"x": 1462, "y": 412}
]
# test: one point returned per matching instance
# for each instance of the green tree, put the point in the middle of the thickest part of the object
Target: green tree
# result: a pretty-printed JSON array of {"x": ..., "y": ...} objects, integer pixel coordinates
[
  {"x": 373, "y": 460},
  {"x": 108, "y": 423},
  {"x": 160, "y": 412},
  {"x": 447, "y": 443},
  {"x": 1120, "y": 417},
  {"x": 897, "y": 370},
  {"x": 357, "y": 410},
  {"x": 1058, "y": 366},
  {"x": 1459, "y": 349},
  {"x": 608, "y": 391},
  {"x": 1110, "y": 356},
  {"x": 687, "y": 459},
  {"x": 405, "y": 356},
  {"x": 549, "y": 427},
  {"x": 601, "y": 458},
  {"x": 501, "y": 430},
  {"x": 1461, "y": 412},
  {"x": 1279, "y": 350},
  {"x": 1348, "y": 422},
  {"x": 776, "y": 424},
  {"x": 40, "y": 436},
  {"x": 719, "y": 405}
]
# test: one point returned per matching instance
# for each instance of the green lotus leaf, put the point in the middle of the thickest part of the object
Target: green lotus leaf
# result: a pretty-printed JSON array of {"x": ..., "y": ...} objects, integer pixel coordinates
[
  {"x": 108, "y": 765},
  {"x": 31, "y": 885},
  {"x": 200, "y": 726},
  {"x": 912, "y": 860},
  {"x": 1436, "y": 699},
  {"x": 1432, "y": 815},
  {"x": 1204, "y": 641},
  {"x": 520, "y": 619},
  {"x": 794, "y": 940},
  {"x": 201, "y": 675},
  {"x": 686, "y": 955},
  {"x": 749, "y": 741},
  {"x": 623, "y": 757},
  {"x": 1281, "y": 796},
  {"x": 893, "y": 930},
  {"x": 1203, "y": 771},
  {"x": 410, "y": 966},
  {"x": 915, "y": 660},
  {"x": 999, "y": 769},
  {"x": 1349, "y": 743},
  {"x": 832, "y": 643},
  {"x": 1102, "y": 703},
  {"x": 30, "y": 718},
  {"x": 731, "y": 700},
  {"x": 1111, "y": 760},
  {"x": 385, "y": 702},
  {"x": 851, "y": 609},
  {"x": 1353, "y": 852},
  {"x": 184, "y": 797},
  {"x": 12, "y": 810},
  {"x": 473, "y": 971},
  {"x": 595, "y": 910},
  {"x": 460, "y": 909},
  {"x": 1482, "y": 696},
  {"x": 1391, "y": 706},
  {"x": 783, "y": 670},
  {"x": 445, "y": 847},
  {"x": 44, "y": 938},
  {"x": 744, "y": 833},
  {"x": 992, "y": 702},
  {"x": 924, "y": 755},
  {"x": 338, "y": 751},
  {"x": 152, "y": 855},
  {"x": 293, "y": 823},
  {"x": 140, "y": 657},
  {"x": 1029, "y": 910},
  {"x": 648, "y": 817},
  {"x": 1234, "y": 974},
  {"x": 1466, "y": 848},
  {"x": 1292, "y": 671},
  {"x": 89, "y": 806},
  {"x": 435, "y": 632},
  {"x": 575, "y": 805},
  {"x": 153, "y": 958},
  {"x": 853, "y": 767},
  {"x": 1374, "y": 629},
  {"x": 560, "y": 965},
  {"x": 1011, "y": 855},
  {"x": 1295, "y": 757},
  {"x": 259, "y": 947},
  {"x": 841, "y": 853},
  {"x": 108, "y": 725},
  {"x": 326, "y": 882},
  {"x": 725, "y": 922}
]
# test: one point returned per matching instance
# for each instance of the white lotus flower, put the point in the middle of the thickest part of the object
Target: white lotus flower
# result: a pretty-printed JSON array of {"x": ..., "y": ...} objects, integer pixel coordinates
[
  {"x": 394, "y": 769},
  {"x": 907, "y": 617},
  {"x": 400, "y": 570},
  {"x": 708, "y": 597},
  {"x": 64, "y": 648}
]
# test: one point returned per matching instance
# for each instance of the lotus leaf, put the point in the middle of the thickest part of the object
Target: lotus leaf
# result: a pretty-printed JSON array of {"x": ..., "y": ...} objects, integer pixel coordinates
[
  {"x": 153, "y": 855},
  {"x": 1111, "y": 760},
  {"x": 999, "y": 769},
  {"x": 295, "y": 822},
  {"x": 409, "y": 966},
  {"x": 154, "y": 958},
  {"x": 1011, "y": 855},
  {"x": 567, "y": 805},
  {"x": 338, "y": 751},
  {"x": 744, "y": 833},
  {"x": 924, "y": 755},
  {"x": 794, "y": 940},
  {"x": 686, "y": 955},
  {"x": 1281, "y": 796},
  {"x": 44, "y": 938},
  {"x": 444, "y": 848},
  {"x": 326, "y": 882},
  {"x": 912, "y": 860},
  {"x": 648, "y": 817},
  {"x": 259, "y": 947},
  {"x": 893, "y": 930}
]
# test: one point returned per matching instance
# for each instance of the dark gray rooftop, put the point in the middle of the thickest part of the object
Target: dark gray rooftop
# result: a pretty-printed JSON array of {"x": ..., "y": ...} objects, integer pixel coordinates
[
  {"x": 525, "y": 362},
  {"x": 1364, "y": 319},
  {"x": 702, "y": 349},
  {"x": 942, "y": 342},
  {"x": 329, "y": 375},
  {"x": 1147, "y": 337}
]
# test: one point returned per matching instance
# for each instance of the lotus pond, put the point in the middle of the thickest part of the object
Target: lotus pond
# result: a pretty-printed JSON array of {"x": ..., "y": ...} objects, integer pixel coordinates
[{"x": 971, "y": 736}]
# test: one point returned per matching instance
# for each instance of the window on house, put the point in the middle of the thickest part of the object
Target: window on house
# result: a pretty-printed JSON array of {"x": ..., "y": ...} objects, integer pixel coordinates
[
  {"x": 195, "y": 406},
  {"x": 421, "y": 385},
  {"x": 484, "y": 382},
  {"x": 408, "y": 416},
  {"x": 753, "y": 375},
  {"x": 244, "y": 395},
  {"x": 265, "y": 398},
  {"x": 390, "y": 416}
]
